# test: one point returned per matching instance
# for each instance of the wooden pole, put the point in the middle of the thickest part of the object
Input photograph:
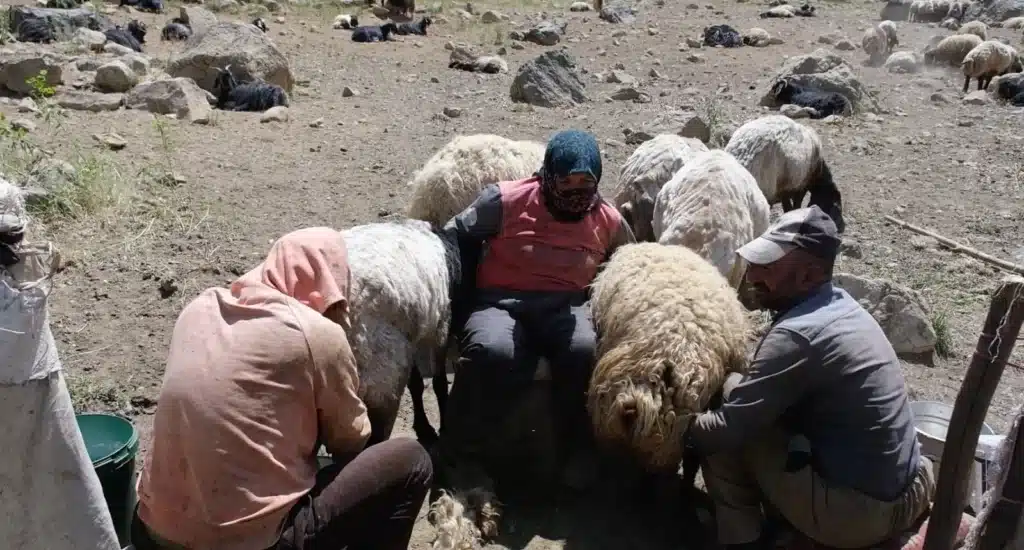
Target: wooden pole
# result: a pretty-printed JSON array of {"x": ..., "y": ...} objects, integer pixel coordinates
[
  {"x": 1000, "y": 527},
  {"x": 957, "y": 247},
  {"x": 1003, "y": 324}
]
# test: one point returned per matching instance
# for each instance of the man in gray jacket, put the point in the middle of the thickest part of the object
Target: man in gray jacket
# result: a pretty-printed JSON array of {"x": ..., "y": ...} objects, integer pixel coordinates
[{"x": 820, "y": 428}]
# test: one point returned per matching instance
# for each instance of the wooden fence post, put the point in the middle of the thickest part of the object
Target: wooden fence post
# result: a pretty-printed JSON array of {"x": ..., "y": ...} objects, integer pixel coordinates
[{"x": 998, "y": 337}]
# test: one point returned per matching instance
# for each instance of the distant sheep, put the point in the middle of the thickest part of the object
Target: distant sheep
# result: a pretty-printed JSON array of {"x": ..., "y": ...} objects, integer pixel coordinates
[
  {"x": 256, "y": 95},
  {"x": 951, "y": 50},
  {"x": 138, "y": 30},
  {"x": 722, "y": 35},
  {"x": 879, "y": 41},
  {"x": 904, "y": 62},
  {"x": 419, "y": 27},
  {"x": 260, "y": 24},
  {"x": 452, "y": 178},
  {"x": 643, "y": 174},
  {"x": 489, "y": 64},
  {"x": 670, "y": 328},
  {"x": 713, "y": 206},
  {"x": 35, "y": 30},
  {"x": 824, "y": 103},
  {"x": 373, "y": 33},
  {"x": 787, "y": 10},
  {"x": 950, "y": 23},
  {"x": 123, "y": 37},
  {"x": 988, "y": 59},
  {"x": 1011, "y": 88},
  {"x": 929, "y": 11},
  {"x": 785, "y": 157},
  {"x": 1014, "y": 23},
  {"x": 156, "y": 6},
  {"x": 976, "y": 28},
  {"x": 757, "y": 37},
  {"x": 345, "y": 21},
  {"x": 176, "y": 29},
  {"x": 405, "y": 7}
]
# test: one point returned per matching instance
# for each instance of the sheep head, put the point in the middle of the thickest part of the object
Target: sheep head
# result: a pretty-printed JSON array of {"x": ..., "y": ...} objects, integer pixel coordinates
[{"x": 387, "y": 29}]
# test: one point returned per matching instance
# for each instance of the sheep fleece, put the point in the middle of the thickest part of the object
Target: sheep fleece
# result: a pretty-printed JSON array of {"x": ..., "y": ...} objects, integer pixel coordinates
[
  {"x": 780, "y": 153},
  {"x": 669, "y": 330},
  {"x": 652, "y": 164}
]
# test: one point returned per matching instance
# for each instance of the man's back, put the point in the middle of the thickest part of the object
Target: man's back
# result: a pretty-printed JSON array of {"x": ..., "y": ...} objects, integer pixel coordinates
[{"x": 856, "y": 411}]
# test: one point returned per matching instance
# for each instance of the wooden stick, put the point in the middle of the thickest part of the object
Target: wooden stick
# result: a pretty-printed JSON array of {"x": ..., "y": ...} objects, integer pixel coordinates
[
  {"x": 957, "y": 247},
  {"x": 1003, "y": 324}
]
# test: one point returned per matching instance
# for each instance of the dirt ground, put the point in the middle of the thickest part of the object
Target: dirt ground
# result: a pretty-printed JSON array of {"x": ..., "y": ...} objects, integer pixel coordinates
[{"x": 146, "y": 248}]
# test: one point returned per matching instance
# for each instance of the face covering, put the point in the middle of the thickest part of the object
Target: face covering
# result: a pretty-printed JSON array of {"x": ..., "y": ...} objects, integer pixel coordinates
[{"x": 570, "y": 152}]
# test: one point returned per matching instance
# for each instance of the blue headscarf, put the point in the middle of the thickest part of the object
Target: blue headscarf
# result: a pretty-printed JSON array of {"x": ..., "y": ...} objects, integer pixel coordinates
[{"x": 571, "y": 152}]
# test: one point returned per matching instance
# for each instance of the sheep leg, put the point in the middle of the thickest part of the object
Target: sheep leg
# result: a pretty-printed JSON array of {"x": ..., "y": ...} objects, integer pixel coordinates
[
  {"x": 440, "y": 384},
  {"x": 967, "y": 83},
  {"x": 425, "y": 433},
  {"x": 983, "y": 81}
]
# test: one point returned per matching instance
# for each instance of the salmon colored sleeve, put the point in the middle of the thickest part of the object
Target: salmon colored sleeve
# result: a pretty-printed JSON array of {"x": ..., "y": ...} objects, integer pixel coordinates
[{"x": 344, "y": 425}]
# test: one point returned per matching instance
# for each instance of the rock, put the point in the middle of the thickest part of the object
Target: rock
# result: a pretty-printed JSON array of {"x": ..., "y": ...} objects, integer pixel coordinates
[
  {"x": 618, "y": 14},
  {"x": 845, "y": 45},
  {"x": 901, "y": 312},
  {"x": 695, "y": 58},
  {"x": 580, "y": 6},
  {"x": 16, "y": 67},
  {"x": 198, "y": 19},
  {"x": 452, "y": 112},
  {"x": 138, "y": 64},
  {"x": 546, "y": 33},
  {"x": 851, "y": 249},
  {"x": 27, "y": 105},
  {"x": 89, "y": 101},
  {"x": 827, "y": 71},
  {"x": 796, "y": 111},
  {"x": 904, "y": 62},
  {"x": 249, "y": 51},
  {"x": 275, "y": 114},
  {"x": 348, "y": 92},
  {"x": 938, "y": 98},
  {"x": 994, "y": 11},
  {"x": 63, "y": 23},
  {"x": 112, "y": 141},
  {"x": 178, "y": 96},
  {"x": 630, "y": 93},
  {"x": 115, "y": 77},
  {"x": 828, "y": 39},
  {"x": 490, "y": 16},
  {"x": 48, "y": 176},
  {"x": 683, "y": 123},
  {"x": 550, "y": 80},
  {"x": 694, "y": 43},
  {"x": 89, "y": 39},
  {"x": 117, "y": 49},
  {"x": 653, "y": 73},
  {"x": 89, "y": 64},
  {"x": 620, "y": 77},
  {"x": 23, "y": 124},
  {"x": 895, "y": 10},
  {"x": 979, "y": 97},
  {"x": 318, "y": 123}
]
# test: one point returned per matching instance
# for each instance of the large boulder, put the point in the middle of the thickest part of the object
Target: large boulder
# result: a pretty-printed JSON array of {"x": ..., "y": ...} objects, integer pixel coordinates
[
  {"x": 248, "y": 50},
  {"x": 18, "y": 66},
  {"x": 995, "y": 11},
  {"x": 901, "y": 312},
  {"x": 550, "y": 80},
  {"x": 63, "y": 23},
  {"x": 178, "y": 96},
  {"x": 200, "y": 20},
  {"x": 895, "y": 10},
  {"x": 826, "y": 71}
]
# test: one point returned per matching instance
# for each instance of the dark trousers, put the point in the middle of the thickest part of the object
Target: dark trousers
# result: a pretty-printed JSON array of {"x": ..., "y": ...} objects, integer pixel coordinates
[
  {"x": 370, "y": 503},
  {"x": 501, "y": 345}
]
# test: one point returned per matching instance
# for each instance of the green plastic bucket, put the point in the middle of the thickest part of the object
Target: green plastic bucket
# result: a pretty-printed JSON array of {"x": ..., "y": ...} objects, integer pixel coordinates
[{"x": 112, "y": 443}]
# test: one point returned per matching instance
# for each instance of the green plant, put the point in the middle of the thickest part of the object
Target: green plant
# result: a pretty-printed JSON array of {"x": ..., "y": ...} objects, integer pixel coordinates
[
  {"x": 42, "y": 91},
  {"x": 943, "y": 335}
]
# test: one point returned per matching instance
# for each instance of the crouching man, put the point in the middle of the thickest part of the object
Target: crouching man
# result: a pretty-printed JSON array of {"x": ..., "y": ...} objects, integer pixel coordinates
[{"x": 820, "y": 428}]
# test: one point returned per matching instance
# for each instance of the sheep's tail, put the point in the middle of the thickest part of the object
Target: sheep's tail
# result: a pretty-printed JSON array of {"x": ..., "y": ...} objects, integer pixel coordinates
[{"x": 825, "y": 195}]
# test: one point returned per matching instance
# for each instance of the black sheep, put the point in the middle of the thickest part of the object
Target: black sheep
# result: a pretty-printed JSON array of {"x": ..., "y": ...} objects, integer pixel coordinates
[
  {"x": 825, "y": 103},
  {"x": 175, "y": 30},
  {"x": 260, "y": 24},
  {"x": 121, "y": 36},
  {"x": 138, "y": 30},
  {"x": 64, "y": 4},
  {"x": 805, "y": 10},
  {"x": 722, "y": 35},
  {"x": 256, "y": 95},
  {"x": 1011, "y": 88},
  {"x": 156, "y": 6},
  {"x": 419, "y": 27},
  {"x": 405, "y": 7},
  {"x": 373, "y": 33},
  {"x": 35, "y": 30}
]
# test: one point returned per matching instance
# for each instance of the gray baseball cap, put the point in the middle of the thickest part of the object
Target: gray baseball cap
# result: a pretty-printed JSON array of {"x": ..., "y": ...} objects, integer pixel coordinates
[{"x": 808, "y": 228}]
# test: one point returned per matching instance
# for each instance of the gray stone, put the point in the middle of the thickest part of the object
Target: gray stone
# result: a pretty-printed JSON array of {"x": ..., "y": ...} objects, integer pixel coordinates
[
  {"x": 115, "y": 77},
  {"x": 89, "y": 101},
  {"x": 181, "y": 97},
  {"x": 550, "y": 80},
  {"x": 249, "y": 52},
  {"x": 901, "y": 312},
  {"x": 63, "y": 23}
]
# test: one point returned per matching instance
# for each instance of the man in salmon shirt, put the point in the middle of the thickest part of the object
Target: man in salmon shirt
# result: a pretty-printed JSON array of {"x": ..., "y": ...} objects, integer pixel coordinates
[{"x": 537, "y": 245}]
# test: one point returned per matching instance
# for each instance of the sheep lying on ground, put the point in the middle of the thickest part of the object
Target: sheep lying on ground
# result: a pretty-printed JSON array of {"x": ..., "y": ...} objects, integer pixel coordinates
[
  {"x": 256, "y": 95},
  {"x": 987, "y": 60},
  {"x": 757, "y": 37},
  {"x": 787, "y": 10},
  {"x": 465, "y": 59},
  {"x": 788, "y": 90},
  {"x": 345, "y": 21},
  {"x": 260, "y": 24},
  {"x": 1013, "y": 23},
  {"x": 722, "y": 35},
  {"x": 976, "y": 28},
  {"x": 785, "y": 158},
  {"x": 404, "y": 276},
  {"x": 929, "y": 11},
  {"x": 156, "y": 6},
  {"x": 643, "y": 174},
  {"x": 670, "y": 328},
  {"x": 951, "y": 50},
  {"x": 879, "y": 41},
  {"x": 712, "y": 206},
  {"x": 35, "y": 30},
  {"x": 125, "y": 37},
  {"x": 373, "y": 33},
  {"x": 452, "y": 178},
  {"x": 1011, "y": 88},
  {"x": 419, "y": 27},
  {"x": 176, "y": 29}
]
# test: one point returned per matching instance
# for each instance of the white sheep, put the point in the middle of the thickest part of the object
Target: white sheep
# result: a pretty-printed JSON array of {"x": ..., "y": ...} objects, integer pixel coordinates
[
  {"x": 757, "y": 37},
  {"x": 879, "y": 40},
  {"x": 712, "y": 206},
  {"x": 951, "y": 50},
  {"x": 452, "y": 178},
  {"x": 929, "y": 11},
  {"x": 651, "y": 165},
  {"x": 785, "y": 158},
  {"x": 976, "y": 28},
  {"x": 780, "y": 11},
  {"x": 670, "y": 328},
  {"x": 903, "y": 62},
  {"x": 988, "y": 59},
  {"x": 345, "y": 21},
  {"x": 403, "y": 277},
  {"x": 950, "y": 23},
  {"x": 1014, "y": 23}
]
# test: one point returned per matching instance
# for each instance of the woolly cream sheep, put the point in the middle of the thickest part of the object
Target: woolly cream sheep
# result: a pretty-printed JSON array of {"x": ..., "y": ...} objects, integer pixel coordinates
[
  {"x": 640, "y": 179},
  {"x": 879, "y": 40},
  {"x": 403, "y": 278},
  {"x": 785, "y": 158},
  {"x": 1014, "y": 23},
  {"x": 670, "y": 328},
  {"x": 712, "y": 206},
  {"x": 987, "y": 60},
  {"x": 976, "y": 28},
  {"x": 451, "y": 179},
  {"x": 345, "y": 21},
  {"x": 951, "y": 50}
]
